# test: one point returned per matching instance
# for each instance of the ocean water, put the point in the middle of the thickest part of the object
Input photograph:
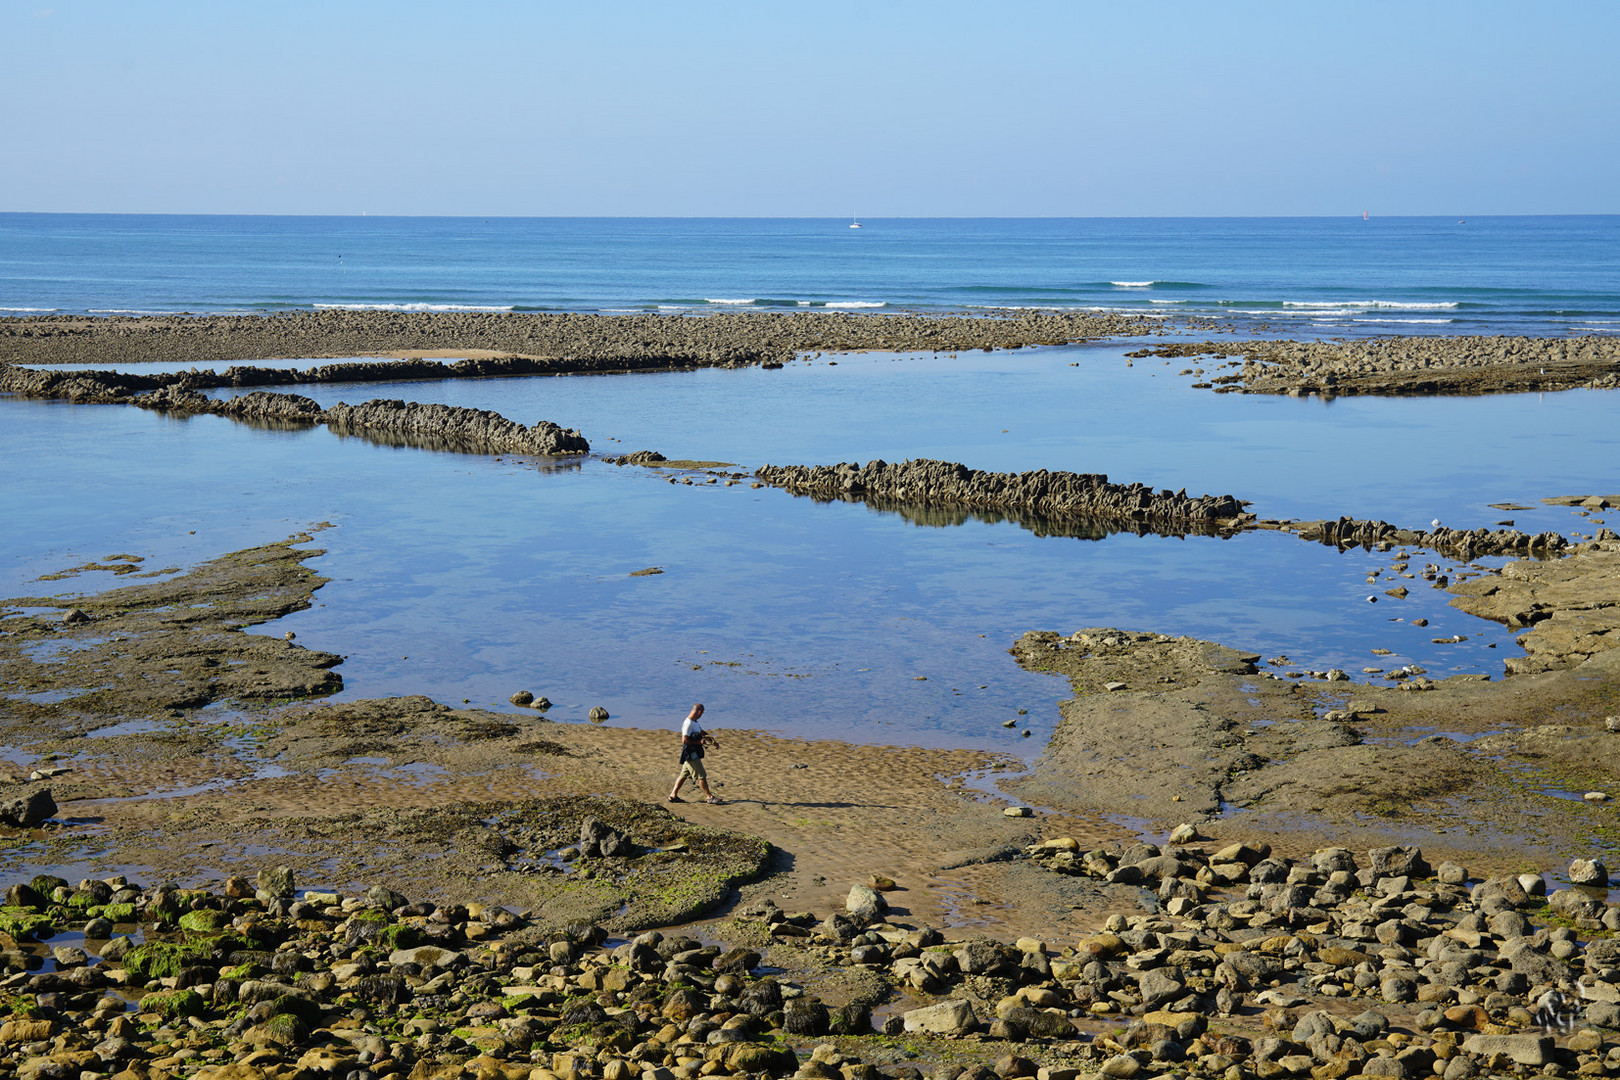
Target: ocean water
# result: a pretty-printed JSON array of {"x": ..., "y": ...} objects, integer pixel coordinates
[
  {"x": 1293, "y": 276},
  {"x": 468, "y": 577}
]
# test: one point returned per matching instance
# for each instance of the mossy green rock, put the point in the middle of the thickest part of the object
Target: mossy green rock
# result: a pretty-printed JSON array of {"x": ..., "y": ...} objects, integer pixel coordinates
[
  {"x": 24, "y": 924},
  {"x": 306, "y": 1009},
  {"x": 165, "y": 907},
  {"x": 161, "y": 960},
  {"x": 400, "y": 936},
  {"x": 47, "y": 884},
  {"x": 119, "y": 913},
  {"x": 206, "y": 921},
  {"x": 173, "y": 1004},
  {"x": 286, "y": 1028}
]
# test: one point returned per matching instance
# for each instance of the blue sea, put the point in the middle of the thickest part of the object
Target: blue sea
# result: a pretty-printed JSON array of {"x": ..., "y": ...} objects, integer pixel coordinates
[
  {"x": 1295, "y": 276},
  {"x": 467, "y": 578}
]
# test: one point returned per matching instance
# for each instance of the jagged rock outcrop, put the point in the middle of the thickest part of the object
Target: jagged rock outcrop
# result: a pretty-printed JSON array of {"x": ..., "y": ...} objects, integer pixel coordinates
[
  {"x": 1458, "y": 543},
  {"x": 440, "y": 426},
  {"x": 488, "y": 432},
  {"x": 1052, "y": 494}
]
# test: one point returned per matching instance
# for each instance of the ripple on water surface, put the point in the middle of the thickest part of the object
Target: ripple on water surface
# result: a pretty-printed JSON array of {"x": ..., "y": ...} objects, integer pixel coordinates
[{"x": 467, "y": 577}]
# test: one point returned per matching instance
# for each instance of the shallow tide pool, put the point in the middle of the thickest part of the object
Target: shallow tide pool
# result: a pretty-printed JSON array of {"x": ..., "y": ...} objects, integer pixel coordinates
[{"x": 470, "y": 577}]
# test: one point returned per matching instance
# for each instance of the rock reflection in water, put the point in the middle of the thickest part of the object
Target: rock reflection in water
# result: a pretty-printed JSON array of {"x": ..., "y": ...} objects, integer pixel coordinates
[{"x": 1076, "y": 528}]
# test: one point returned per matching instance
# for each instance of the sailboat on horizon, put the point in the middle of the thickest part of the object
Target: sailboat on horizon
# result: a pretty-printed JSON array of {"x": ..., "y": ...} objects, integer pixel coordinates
[{"x": 854, "y": 222}]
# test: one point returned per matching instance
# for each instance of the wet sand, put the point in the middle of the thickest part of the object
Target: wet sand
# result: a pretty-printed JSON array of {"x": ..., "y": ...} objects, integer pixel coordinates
[{"x": 200, "y": 750}]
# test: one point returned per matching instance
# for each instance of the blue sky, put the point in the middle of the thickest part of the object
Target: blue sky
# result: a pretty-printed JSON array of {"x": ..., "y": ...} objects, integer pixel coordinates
[{"x": 897, "y": 109}]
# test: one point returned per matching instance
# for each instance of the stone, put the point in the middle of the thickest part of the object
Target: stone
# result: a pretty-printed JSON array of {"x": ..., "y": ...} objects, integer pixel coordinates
[
  {"x": 1018, "y": 811},
  {"x": 1576, "y": 903},
  {"x": 805, "y": 1016},
  {"x": 25, "y": 1031},
  {"x": 1508, "y": 890},
  {"x": 1604, "y": 1014},
  {"x": 865, "y": 903},
  {"x": 521, "y": 698},
  {"x": 1398, "y": 988},
  {"x": 1399, "y": 860},
  {"x": 1589, "y": 872},
  {"x": 1533, "y": 1050},
  {"x": 1158, "y": 986},
  {"x": 29, "y": 810},
  {"x": 277, "y": 882},
  {"x": 953, "y": 1017},
  {"x": 1451, "y": 873},
  {"x": 428, "y": 955},
  {"x": 597, "y": 839},
  {"x": 1331, "y": 860},
  {"x": 598, "y": 714},
  {"x": 1120, "y": 1067}
]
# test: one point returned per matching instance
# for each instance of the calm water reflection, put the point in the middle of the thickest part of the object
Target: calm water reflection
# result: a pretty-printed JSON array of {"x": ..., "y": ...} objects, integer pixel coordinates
[{"x": 470, "y": 577}]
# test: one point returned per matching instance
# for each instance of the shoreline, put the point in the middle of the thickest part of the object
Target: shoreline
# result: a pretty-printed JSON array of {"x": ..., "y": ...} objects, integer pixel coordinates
[
  {"x": 176, "y": 745},
  {"x": 872, "y": 885},
  {"x": 508, "y": 343},
  {"x": 1167, "y": 731}
]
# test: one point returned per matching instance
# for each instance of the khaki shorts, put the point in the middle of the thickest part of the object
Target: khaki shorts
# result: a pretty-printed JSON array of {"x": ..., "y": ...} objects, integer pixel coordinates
[{"x": 693, "y": 767}]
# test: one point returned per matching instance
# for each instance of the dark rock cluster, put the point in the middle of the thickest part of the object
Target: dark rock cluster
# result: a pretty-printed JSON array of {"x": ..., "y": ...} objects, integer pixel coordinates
[
  {"x": 1052, "y": 494},
  {"x": 1244, "y": 966},
  {"x": 441, "y": 426},
  {"x": 1458, "y": 543},
  {"x": 1253, "y": 965}
]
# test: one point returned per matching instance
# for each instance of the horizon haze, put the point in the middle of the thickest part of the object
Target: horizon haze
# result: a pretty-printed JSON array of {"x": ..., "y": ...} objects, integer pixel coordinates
[{"x": 946, "y": 109}]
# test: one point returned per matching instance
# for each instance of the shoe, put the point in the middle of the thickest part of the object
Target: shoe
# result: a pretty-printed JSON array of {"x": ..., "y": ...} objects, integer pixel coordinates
[
  {"x": 716, "y": 800},
  {"x": 676, "y": 798}
]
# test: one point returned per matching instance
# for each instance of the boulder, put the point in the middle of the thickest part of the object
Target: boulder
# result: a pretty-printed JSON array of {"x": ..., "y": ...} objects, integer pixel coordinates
[
  {"x": 1399, "y": 860},
  {"x": 277, "y": 882},
  {"x": 954, "y": 1017},
  {"x": 596, "y": 838},
  {"x": 865, "y": 904},
  {"x": 1589, "y": 872},
  {"x": 1331, "y": 860},
  {"x": 29, "y": 810},
  {"x": 1533, "y": 1050},
  {"x": 1160, "y": 985}
]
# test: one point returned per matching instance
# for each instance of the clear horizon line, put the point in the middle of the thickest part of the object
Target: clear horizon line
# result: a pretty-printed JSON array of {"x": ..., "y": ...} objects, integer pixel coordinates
[{"x": 800, "y": 217}]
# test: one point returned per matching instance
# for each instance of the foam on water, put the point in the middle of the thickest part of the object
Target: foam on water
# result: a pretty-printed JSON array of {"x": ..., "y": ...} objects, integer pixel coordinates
[
  {"x": 1511, "y": 275},
  {"x": 419, "y": 305},
  {"x": 1388, "y": 305}
]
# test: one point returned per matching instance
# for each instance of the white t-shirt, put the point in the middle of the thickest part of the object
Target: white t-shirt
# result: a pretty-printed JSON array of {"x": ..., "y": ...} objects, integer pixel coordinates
[{"x": 691, "y": 729}]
